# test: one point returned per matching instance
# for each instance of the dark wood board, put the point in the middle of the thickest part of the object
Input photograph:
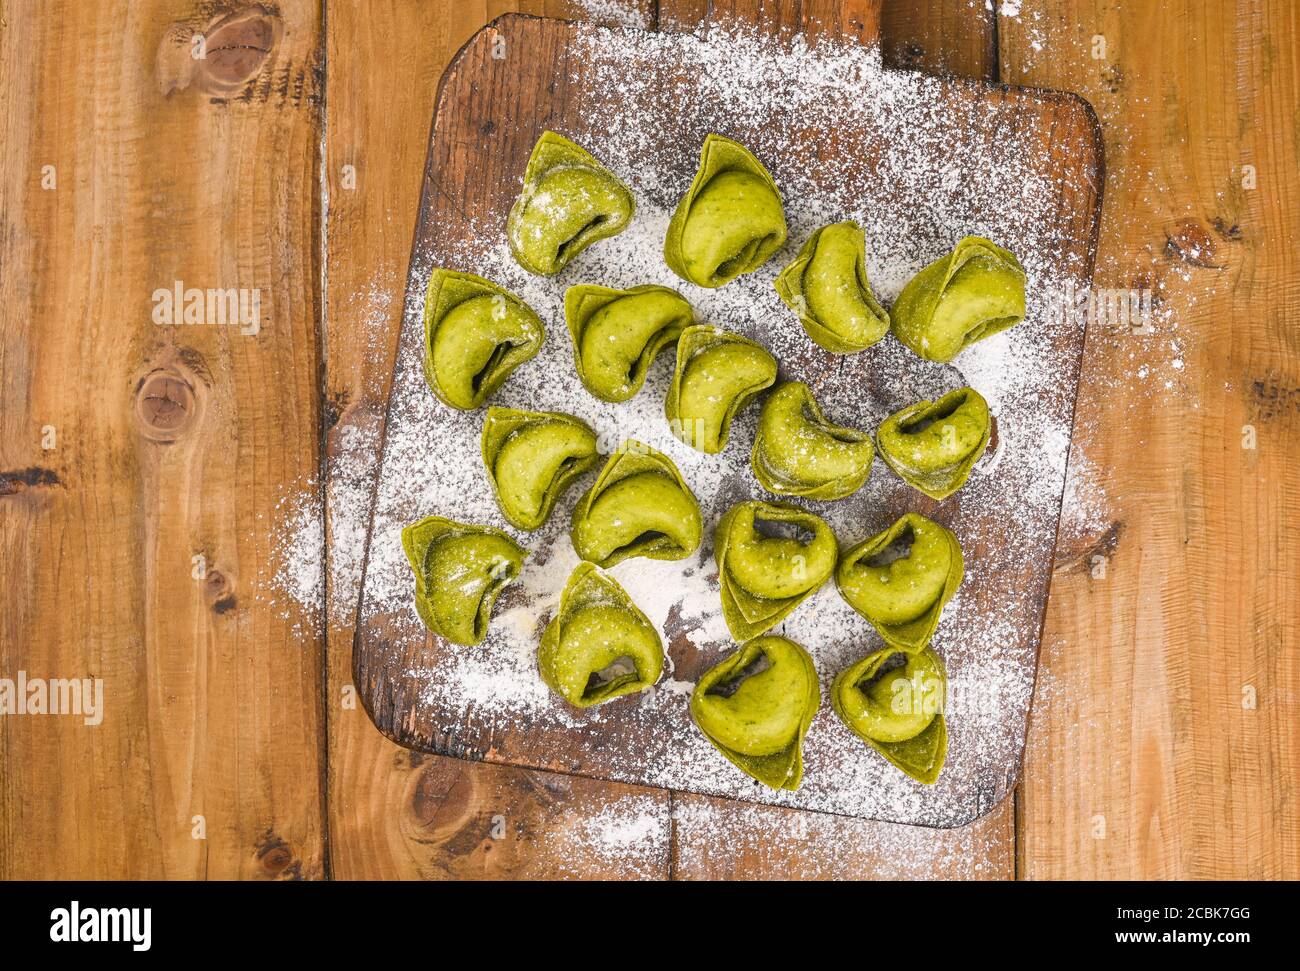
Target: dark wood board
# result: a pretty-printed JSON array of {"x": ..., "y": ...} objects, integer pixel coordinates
[{"x": 490, "y": 111}]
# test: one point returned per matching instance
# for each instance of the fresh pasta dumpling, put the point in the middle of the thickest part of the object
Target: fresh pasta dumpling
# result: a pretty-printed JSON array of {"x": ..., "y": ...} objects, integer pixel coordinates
[
  {"x": 532, "y": 457},
  {"x": 974, "y": 292},
  {"x": 826, "y": 285},
  {"x": 755, "y": 707},
  {"x": 618, "y": 333},
  {"x": 729, "y": 222},
  {"x": 798, "y": 452},
  {"x": 569, "y": 201},
  {"x": 599, "y": 645},
  {"x": 894, "y": 702},
  {"x": 639, "y": 505},
  {"x": 475, "y": 334},
  {"x": 901, "y": 578},
  {"x": 771, "y": 557},
  {"x": 933, "y": 445},
  {"x": 459, "y": 572},
  {"x": 717, "y": 374}
]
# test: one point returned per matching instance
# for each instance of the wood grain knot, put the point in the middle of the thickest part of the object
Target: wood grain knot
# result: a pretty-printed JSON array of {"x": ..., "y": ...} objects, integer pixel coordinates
[
  {"x": 276, "y": 856},
  {"x": 1271, "y": 397},
  {"x": 442, "y": 795},
  {"x": 20, "y": 480},
  {"x": 220, "y": 58},
  {"x": 1192, "y": 242},
  {"x": 237, "y": 47},
  {"x": 1079, "y": 551},
  {"x": 165, "y": 405},
  {"x": 220, "y": 591}
]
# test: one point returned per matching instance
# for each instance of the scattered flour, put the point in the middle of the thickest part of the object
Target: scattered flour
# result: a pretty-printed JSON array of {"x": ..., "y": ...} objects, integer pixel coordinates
[{"x": 631, "y": 834}]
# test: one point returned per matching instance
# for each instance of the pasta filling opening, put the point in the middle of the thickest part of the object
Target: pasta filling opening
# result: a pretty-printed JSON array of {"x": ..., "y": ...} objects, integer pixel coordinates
[
  {"x": 921, "y": 424},
  {"x": 644, "y": 539},
  {"x": 565, "y": 248},
  {"x": 899, "y": 548},
  {"x": 616, "y": 674},
  {"x": 565, "y": 467},
  {"x": 494, "y": 361},
  {"x": 639, "y": 362},
  {"x": 778, "y": 529},
  {"x": 844, "y": 435},
  {"x": 729, "y": 686},
  {"x": 500, "y": 575},
  {"x": 988, "y": 328},
  {"x": 890, "y": 664}
]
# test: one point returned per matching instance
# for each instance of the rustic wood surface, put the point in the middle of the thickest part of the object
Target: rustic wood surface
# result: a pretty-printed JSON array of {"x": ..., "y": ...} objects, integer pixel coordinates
[
  {"x": 128, "y": 449},
  {"x": 1129, "y": 772},
  {"x": 1165, "y": 736}
]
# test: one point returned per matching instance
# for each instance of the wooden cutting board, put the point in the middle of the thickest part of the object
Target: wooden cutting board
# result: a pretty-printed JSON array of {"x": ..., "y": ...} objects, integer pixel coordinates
[{"x": 914, "y": 162}]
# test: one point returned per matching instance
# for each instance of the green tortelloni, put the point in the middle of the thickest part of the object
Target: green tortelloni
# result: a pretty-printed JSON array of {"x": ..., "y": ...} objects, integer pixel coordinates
[
  {"x": 599, "y": 645},
  {"x": 771, "y": 557},
  {"x": 531, "y": 458},
  {"x": 618, "y": 333},
  {"x": 717, "y": 374},
  {"x": 568, "y": 202},
  {"x": 932, "y": 445},
  {"x": 459, "y": 572},
  {"x": 755, "y": 707},
  {"x": 827, "y": 287},
  {"x": 475, "y": 335},
  {"x": 638, "y": 506},
  {"x": 974, "y": 292},
  {"x": 900, "y": 579},
  {"x": 894, "y": 702},
  {"x": 729, "y": 222},
  {"x": 797, "y": 452}
]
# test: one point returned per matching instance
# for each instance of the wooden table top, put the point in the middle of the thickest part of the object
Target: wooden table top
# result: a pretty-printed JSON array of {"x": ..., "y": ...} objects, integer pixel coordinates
[{"x": 149, "y": 474}]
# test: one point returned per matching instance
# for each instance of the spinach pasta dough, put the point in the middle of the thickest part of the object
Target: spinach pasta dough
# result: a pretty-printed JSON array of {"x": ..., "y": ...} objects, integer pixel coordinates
[
  {"x": 797, "y": 452},
  {"x": 974, "y": 292},
  {"x": 569, "y": 201},
  {"x": 475, "y": 335},
  {"x": 826, "y": 285},
  {"x": 459, "y": 572},
  {"x": 755, "y": 708},
  {"x": 729, "y": 222},
  {"x": 900, "y": 579},
  {"x": 771, "y": 557},
  {"x": 618, "y": 333},
  {"x": 932, "y": 445},
  {"x": 599, "y": 645},
  {"x": 894, "y": 702},
  {"x": 531, "y": 458},
  {"x": 639, "y": 505},
  {"x": 717, "y": 374}
]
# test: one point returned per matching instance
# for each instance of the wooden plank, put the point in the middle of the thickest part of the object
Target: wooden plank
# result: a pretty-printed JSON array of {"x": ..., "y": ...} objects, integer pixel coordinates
[
  {"x": 393, "y": 814},
  {"x": 940, "y": 37},
  {"x": 1163, "y": 741},
  {"x": 857, "y": 19},
  {"x": 128, "y": 451},
  {"x": 716, "y": 839}
]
